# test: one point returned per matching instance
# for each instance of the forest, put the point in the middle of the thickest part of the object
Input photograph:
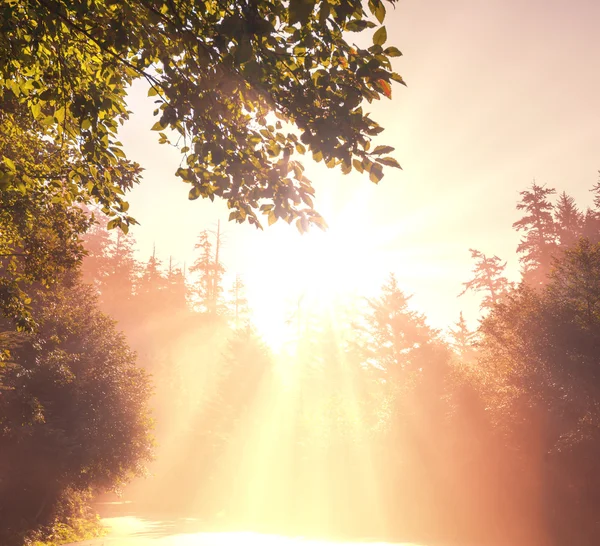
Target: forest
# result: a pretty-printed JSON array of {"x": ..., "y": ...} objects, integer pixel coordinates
[
  {"x": 138, "y": 376},
  {"x": 384, "y": 426}
]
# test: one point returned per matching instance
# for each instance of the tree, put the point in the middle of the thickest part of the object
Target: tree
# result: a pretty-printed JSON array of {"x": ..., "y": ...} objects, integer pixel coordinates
[
  {"x": 568, "y": 220},
  {"x": 152, "y": 288},
  {"x": 539, "y": 352},
  {"x": 462, "y": 340},
  {"x": 209, "y": 287},
  {"x": 591, "y": 224},
  {"x": 596, "y": 191},
  {"x": 73, "y": 412},
  {"x": 176, "y": 289},
  {"x": 539, "y": 242},
  {"x": 238, "y": 304},
  {"x": 39, "y": 227},
  {"x": 488, "y": 277},
  {"x": 110, "y": 266},
  {"x": 217, "y": 71},
  {"x": 400, "y": 341}
]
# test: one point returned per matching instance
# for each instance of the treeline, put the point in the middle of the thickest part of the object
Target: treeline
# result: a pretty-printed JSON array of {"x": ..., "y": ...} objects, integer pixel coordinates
[
  {"x": 374, "y": 423},
  {"x": 371, "y": 423}
]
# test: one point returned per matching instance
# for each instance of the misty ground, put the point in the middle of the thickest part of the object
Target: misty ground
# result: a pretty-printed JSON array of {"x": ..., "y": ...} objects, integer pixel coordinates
[{"x": 129, "y": 525}]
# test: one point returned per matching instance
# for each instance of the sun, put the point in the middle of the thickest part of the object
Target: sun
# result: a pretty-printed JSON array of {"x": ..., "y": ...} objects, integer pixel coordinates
[{"x": 311, "y": 273}]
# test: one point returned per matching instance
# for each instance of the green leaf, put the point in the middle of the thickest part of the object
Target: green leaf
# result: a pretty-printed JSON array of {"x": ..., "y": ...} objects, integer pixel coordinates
[
  {"x": 376, "y": 173},
  {"x": 194, "y": 193},
  {"x": 380, "y": 36},
  {"x": 397, "y": 78},
  {"x": 300, "y": 11},
  {"x": 378, "y": 9},
  {"x": 10, "y": 164},
  {"x": 392, "y": 51},
  {"x": 389, "y": 161},
  {"x": 358, "y": 25},
  {"x": 382, "y": 150},
  {"x": 158, "y": 126}
]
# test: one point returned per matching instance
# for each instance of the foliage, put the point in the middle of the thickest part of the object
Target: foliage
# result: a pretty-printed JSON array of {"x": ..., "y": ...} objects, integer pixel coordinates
[
  {"x": 238, "y": 303},
  {"x": 39, "y": 227},
  {"x": 462, "y": 339},
  {"x": 539, "y": 242},
  {"x": 73, "y": 412},
  {"x": 568, "y": 220},
  {"x": 399, "y": 340},
  {"x": 540, "y": 356},
  {"x": 209, "y": 288},
  {"x": 217, "y": 70},
  {"x": 488, "y": 277}
]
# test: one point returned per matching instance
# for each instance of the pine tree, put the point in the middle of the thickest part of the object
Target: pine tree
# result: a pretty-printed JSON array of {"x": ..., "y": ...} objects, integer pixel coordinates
[
  {"x": 400, "y": 339},
  {"x": 110, "y": 266},
  {"x": 591, "y": 225},
  {"x": 592, "y": 218},
  {"x": 96, "y": 240},
  {"x": 151, "y": 293},
  {"x": 596, "y": 191},
  {"x": 488, "y": 277},
  {"x": 462, "y": 340},
  {"x": 539, "y": 242},
  {"x": 176, "y": 289},
  {"x": 568, "y": 220},
  {"x": 238, "y": 303},
  {"x": 123, "y": 274},
  {"x": 209, "y": 288}
]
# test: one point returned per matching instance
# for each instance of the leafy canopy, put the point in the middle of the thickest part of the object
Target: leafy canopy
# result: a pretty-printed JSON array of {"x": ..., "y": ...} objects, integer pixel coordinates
[{"x": 241, "y": 88}]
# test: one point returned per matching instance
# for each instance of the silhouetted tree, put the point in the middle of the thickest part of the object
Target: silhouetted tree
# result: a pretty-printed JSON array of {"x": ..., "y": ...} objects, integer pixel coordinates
[
  {"x": 238, "y": 303},
  {"x": 209, "y": 288},
  {"x": 568, "y": 220},
  {"x": 488, "y": 277},
  {"x": 540, "y": 356},
  {"x": 539, "y": 242},
  {"x": 462, "y": 339}
]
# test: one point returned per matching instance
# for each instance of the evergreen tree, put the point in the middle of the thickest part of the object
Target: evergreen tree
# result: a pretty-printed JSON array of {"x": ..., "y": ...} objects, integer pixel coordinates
[
  {"x": 399, "y": 338},
  {"x": 488, "y": 277},
  {"x": 462, "y": 340},
  {"x": 176, "y": 289},
  {"x": 238, "y": 303},
  {"x": 209, "y": 288},
  {"x": 117, "y": 296},
  {"x": 591, "y": 225},
  {"x": 592, "y": 217},
  {"x": 539, "y": 241},
  {"x": 151, "y": 293},
  {"x": 96, "y": 241},
  {"x": 568, "y": 220},
  {"x": 539, "y": 356},
  {"x": 110, "y": 266},
  {"x": 596, "y": 191}
]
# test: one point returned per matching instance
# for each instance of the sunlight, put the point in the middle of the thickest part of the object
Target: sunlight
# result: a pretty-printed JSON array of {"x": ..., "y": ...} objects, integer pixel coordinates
[{"x": 320, "y": 269}]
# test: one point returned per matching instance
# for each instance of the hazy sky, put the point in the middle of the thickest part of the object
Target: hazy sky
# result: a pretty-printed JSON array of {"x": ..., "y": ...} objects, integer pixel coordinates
[{"x": 499, "y": 92}]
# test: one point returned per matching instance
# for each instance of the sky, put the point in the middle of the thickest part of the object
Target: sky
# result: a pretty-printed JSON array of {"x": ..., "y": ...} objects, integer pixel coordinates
[{"x": 499, "y": 93}]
